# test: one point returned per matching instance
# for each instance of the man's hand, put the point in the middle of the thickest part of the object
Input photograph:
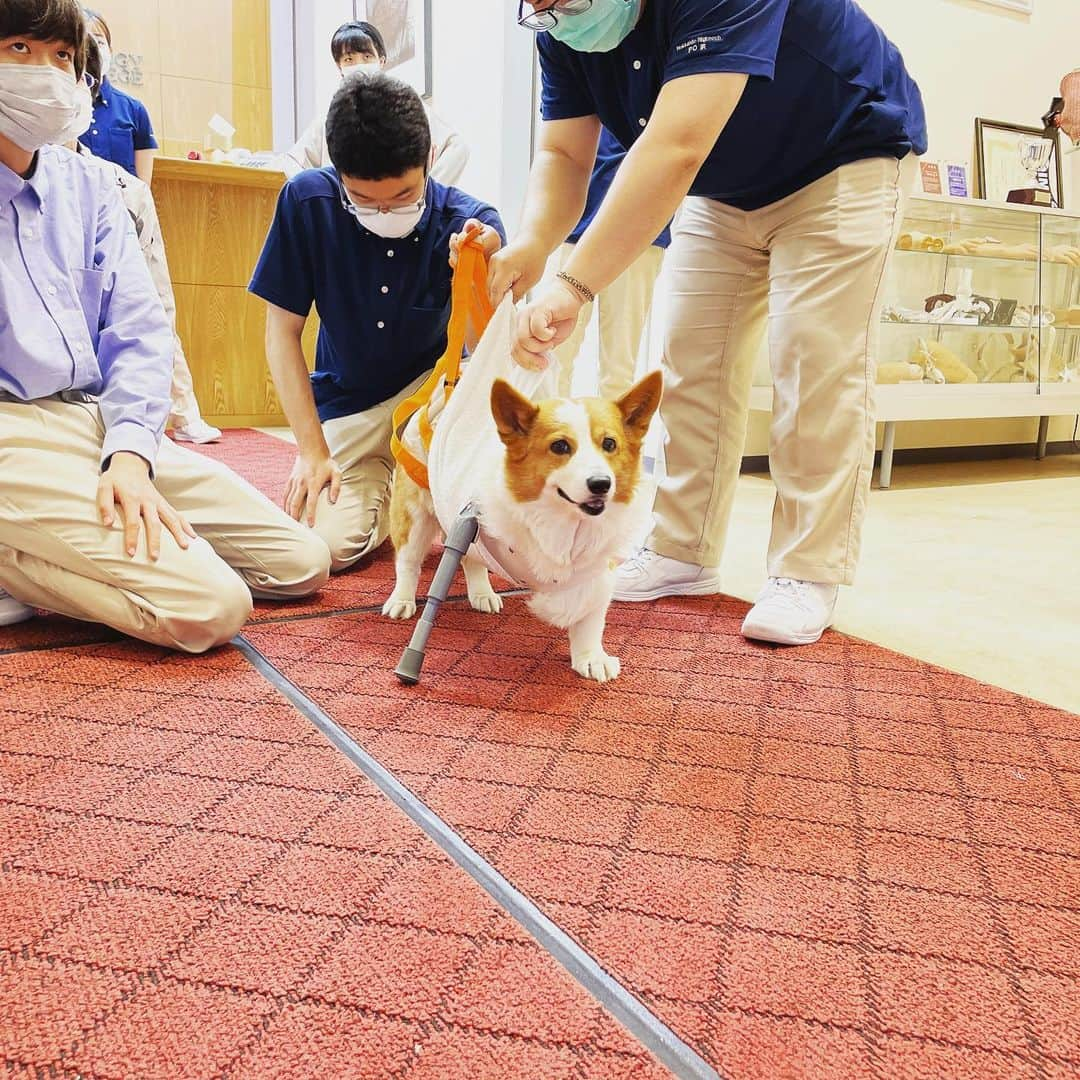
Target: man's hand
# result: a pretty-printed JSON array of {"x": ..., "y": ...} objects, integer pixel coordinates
[
  {"x": 489, "y": 238},
  {"x": 545, "y": 323},
  {"x": 127, "y": 484},
  {"x": 309, "y": 476},
  {"x": 518, "y": 267}
]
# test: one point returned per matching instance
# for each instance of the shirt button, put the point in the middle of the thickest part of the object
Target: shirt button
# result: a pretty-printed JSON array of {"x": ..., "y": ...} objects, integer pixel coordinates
[
  {"x": 381, "y": 325},
  {"x": 642, "y": 121},
  {"x": 385, "y": 289},
  {"x": 390, "y": 253},
  {"x": 52, "y": 290},
  {"x": 94, "y": 132},
  {"x": 28, "y": 233},
  {"x": 637, "y": 65},
  {"x": 79, "y": 348}
]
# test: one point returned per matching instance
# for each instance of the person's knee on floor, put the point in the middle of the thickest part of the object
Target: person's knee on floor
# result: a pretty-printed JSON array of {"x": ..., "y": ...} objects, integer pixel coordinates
[
  {"x": 214, "y": 613},
  {"x": 300, "y": 569},
  {"x": 350, "y": 537}
]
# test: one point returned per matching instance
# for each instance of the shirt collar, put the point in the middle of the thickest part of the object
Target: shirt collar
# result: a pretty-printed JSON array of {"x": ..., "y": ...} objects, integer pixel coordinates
[
  {"x": 12, "y": 184},
  {"x": 39, "y": 181},
  {"x": 105, "y": 92}
]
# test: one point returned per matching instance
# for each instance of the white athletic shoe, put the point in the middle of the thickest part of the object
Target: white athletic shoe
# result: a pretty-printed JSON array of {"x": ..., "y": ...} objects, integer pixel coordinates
[
  {"x": 13, "y": 611},
  {"x": 791, "y": 612},
  {"x": 199, "y": 432},
  {"x": 648, "y": 576}
]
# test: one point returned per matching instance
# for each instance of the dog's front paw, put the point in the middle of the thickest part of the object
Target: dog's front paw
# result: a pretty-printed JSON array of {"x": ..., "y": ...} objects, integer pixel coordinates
[
  {"x": 398, "y": 607},
  {"x": 597, "y": 666},
  {"x": 490, "y": 603}
]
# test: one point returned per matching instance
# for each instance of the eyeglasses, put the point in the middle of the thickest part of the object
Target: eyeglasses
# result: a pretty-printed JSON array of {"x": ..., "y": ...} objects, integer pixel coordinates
[
  {"x": 373, "y": 211},
  {"x": 90, "y": 81},
  {"x": 539, "y": 21}
]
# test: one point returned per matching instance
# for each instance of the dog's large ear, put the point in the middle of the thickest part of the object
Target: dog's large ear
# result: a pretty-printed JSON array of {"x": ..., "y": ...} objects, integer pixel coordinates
[
  {"x": 514, "y": 413},
  {"x": 639, "y": 403}
]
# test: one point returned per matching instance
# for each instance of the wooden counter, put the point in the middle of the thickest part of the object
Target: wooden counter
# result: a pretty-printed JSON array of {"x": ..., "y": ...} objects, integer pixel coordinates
[{"x": 214, "y": 219}]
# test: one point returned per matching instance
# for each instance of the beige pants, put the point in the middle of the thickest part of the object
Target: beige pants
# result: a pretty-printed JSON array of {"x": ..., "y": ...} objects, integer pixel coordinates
[
  {"x": 624, "y": 309},
  {"x": 814, "y": 264},
  {"x": 56, "y": 554},
  {"x": 360, "y": 444}
]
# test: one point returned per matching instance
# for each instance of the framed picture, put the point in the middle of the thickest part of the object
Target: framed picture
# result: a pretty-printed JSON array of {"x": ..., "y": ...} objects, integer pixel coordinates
[
  {"x": 406, "y": 28},
  {"x": 1018, "y": 164}
]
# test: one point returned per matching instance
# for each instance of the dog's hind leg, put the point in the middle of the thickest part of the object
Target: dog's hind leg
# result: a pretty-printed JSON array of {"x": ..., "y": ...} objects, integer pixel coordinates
[{"x": 413, "y": 528}]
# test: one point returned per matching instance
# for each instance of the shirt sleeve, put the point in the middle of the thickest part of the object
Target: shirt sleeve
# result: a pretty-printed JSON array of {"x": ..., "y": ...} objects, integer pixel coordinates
[
  {"x": 739, "y": 36},
  {"x": 451, "y": 151},
  {"x": 490, "y": 216},
  {"x": 144, "y": 130},
  {"x": 284, "y": 275},
  {"x": 310, "y": 149},
  {"x": 135, "y": 342},
  {"x": 564, "y": 94}
]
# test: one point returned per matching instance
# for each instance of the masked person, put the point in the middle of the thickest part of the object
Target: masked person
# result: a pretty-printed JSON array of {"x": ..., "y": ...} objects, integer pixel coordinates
[
  {"x": 185, "y": 418},
  {"x": 794, "y": 127},
  {"x": 101, "y": 519},
  {"x": 358, "y": 48},
  {"x": 367, "y": 241},
  {"x": 120, "y": 130}
]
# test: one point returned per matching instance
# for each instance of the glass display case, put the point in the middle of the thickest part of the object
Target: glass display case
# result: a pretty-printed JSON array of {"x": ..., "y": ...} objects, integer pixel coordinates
[{"x": 981, "y": 317}]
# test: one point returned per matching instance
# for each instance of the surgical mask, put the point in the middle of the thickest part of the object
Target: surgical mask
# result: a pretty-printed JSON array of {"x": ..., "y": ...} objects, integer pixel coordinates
[
  {"x": 369, "y": 68},
  {"x": 392, "y": 226},
  {"x": 106, "y": 57},
  {"x": 41, "y": 104},
  {"x": 605, "y": 26}
]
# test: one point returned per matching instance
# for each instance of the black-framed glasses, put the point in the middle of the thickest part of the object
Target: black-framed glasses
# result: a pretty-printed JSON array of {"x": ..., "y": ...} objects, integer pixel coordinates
[{"x": 539, "y": 21}]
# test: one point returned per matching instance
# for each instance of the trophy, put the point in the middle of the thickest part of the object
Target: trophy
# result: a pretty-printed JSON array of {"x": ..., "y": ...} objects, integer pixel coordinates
[{"x": 1035, "y": 152}]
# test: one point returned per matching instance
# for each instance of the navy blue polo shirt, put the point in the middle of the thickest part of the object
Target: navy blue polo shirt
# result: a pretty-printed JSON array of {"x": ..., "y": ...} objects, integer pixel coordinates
[
  {"x": 826, "y": 88},
  {"x": 609, "y": 156},
  {"x": 121, "y": 125},
  {"x": 384, "y": 304}
]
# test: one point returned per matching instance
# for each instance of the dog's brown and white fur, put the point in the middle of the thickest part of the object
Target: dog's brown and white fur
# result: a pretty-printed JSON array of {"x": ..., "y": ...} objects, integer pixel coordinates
[{"x": 560, "y": 505}]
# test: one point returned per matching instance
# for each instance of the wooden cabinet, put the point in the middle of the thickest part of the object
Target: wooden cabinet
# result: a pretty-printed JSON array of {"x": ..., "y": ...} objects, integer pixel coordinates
[{"x": 214, "y": 219}]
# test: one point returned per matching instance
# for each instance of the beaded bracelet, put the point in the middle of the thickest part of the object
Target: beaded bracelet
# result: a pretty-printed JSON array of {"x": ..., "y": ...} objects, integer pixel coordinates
[{"x": 580, "y": 286}]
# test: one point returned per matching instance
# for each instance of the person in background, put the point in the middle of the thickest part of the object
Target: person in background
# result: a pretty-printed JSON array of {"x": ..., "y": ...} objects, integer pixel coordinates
[
  {"x": 358, "y": 47},
  {"x": 368, "y": 242},
  {"x": 120, "y": 131},
  {"x": 185, "y": 419},
  {"x": 624, "y": 305},
  {"x": 100, "y": 518}
]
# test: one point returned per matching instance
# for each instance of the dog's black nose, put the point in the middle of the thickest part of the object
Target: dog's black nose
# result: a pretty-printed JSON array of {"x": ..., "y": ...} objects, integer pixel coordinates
[{"x": 599, "y": 485}]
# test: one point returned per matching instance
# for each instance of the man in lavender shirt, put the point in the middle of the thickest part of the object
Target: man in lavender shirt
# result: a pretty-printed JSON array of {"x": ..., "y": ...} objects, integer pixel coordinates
[{"x": 100, "y": 518}]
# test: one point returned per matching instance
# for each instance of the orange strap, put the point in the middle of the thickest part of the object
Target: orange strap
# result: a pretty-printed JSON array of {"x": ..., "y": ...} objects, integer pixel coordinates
[{"x": 468, "y": 297}]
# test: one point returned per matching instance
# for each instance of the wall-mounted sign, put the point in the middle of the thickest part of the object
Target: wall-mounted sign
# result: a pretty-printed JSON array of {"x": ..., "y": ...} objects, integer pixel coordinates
[{"x": 127, "y": 69}]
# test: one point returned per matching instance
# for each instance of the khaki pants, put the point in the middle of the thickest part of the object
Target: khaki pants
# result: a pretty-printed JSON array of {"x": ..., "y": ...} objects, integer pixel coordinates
[
  {"x": 56, "y": 554},
  {"x": 624, "y": 309},
  {"x": 814, "y": 264},
  {"x": 360, "y": 444}
]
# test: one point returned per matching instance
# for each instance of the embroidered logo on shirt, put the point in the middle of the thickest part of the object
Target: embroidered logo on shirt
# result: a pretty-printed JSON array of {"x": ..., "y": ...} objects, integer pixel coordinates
[{"x": 700, "y": 44}]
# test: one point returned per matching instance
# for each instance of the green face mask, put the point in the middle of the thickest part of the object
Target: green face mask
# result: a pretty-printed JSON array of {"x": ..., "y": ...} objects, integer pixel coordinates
[{"x": 605, "y": 26}]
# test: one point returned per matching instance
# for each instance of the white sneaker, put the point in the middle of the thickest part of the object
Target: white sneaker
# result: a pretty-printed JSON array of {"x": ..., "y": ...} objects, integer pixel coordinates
[
  {"x": 648, "y": 576},
  {"x": 791, "y": 612},
  {"x": 199, "y": 432},
  {"x": 13, "y": 611}
]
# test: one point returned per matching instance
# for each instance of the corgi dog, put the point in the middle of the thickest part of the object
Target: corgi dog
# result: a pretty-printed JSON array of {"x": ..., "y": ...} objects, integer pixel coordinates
[{"x": 559, "y": 502}]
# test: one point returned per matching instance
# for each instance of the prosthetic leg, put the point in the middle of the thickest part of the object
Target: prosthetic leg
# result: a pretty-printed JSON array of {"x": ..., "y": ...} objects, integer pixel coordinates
[{"x": 461, "y": 535}]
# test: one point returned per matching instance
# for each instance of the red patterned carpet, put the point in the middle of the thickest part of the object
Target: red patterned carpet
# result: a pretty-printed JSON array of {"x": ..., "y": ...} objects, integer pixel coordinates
[{"x": 836, "y": 862}]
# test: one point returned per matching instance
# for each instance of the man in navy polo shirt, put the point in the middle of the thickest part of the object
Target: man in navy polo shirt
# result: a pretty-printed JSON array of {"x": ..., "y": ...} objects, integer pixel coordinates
[
  {"x": 793, "y": 127},
  {"x": 367, "y": 241}
]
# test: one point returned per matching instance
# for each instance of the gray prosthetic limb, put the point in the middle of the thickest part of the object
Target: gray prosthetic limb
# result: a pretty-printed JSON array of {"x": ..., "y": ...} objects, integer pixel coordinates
[{"x": 461, "y": 535}]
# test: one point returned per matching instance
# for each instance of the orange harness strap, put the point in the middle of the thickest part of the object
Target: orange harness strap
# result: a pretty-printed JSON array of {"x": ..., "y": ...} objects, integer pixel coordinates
[{"x": 468, "y": 297}]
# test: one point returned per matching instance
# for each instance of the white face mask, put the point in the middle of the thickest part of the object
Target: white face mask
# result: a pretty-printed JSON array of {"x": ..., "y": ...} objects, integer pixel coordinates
[
  {"x": 40, "y": 104},
  {"x": 367, "y": 68},
  {"x": 392, "y": 226}
]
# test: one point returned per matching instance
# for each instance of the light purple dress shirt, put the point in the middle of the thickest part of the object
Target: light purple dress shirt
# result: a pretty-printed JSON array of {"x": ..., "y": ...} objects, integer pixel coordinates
[{"x": 78, "y": 310}]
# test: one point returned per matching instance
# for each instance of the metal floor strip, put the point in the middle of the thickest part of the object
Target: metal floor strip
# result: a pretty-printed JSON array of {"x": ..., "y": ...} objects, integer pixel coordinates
[{"x": 652, "y": 1032}]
